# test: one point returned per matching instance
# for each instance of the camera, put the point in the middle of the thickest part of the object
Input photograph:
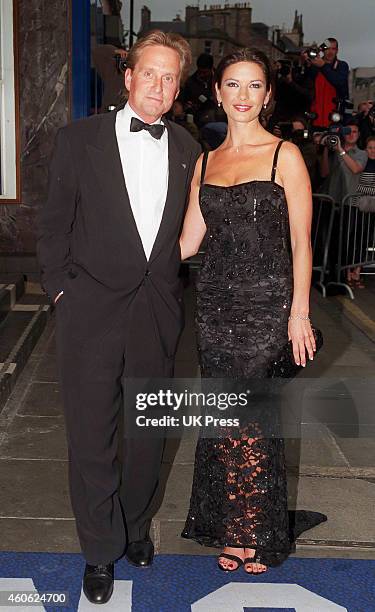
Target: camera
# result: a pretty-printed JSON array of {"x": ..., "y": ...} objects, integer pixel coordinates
[
  {"x": 285, "y": 68},
  {"x": 310, "y": 116},
  {"x": 286, "y": 129},
  {"x": 332, "y": 136},
  {"x": 300, "y": 136},
  {"x": 330, "y": 140},
  {"x": 314, "y": 52},
  {"x": 120, "y": 62}
]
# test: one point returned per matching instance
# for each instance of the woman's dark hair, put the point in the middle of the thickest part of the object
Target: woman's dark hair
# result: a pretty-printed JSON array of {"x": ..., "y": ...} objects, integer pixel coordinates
[{"x": 249, "y": 54}]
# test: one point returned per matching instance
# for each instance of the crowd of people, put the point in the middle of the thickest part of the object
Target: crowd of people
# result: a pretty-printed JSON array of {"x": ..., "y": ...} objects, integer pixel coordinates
[
  {"x": 310, "y": 108},
  {"x": 310, "y": 101}
]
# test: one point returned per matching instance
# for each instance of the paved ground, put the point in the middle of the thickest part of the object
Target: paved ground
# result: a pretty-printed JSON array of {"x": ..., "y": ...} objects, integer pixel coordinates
[{"x": 337, "y": 473}]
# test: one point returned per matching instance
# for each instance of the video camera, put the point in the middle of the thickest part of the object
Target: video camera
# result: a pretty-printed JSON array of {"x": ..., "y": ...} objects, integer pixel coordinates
[
  {"x": 332, "y": 136},
  {"x": 287, "y": 132}
]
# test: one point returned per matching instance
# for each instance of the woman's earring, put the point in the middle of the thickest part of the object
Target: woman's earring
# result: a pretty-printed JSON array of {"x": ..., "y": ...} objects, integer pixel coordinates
[
  {"x": 264, "y": 106},
  {"x": 219, "y": 104}
]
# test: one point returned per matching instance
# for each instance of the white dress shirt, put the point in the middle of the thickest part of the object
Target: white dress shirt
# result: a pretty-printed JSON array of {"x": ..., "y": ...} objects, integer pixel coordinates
[{"x": 145, "y": 166}]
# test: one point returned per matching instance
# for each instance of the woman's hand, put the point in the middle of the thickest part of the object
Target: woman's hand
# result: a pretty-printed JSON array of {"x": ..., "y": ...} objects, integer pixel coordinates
[{"x": 302, "y": 337}]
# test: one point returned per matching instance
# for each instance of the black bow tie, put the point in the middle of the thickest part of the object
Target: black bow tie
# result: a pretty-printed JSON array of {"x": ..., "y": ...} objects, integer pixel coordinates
[{"x": 156, "y": 130}]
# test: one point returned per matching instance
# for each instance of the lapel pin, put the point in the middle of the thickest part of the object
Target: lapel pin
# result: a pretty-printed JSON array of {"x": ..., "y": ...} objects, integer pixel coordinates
[{"x": 184, "y": 166}]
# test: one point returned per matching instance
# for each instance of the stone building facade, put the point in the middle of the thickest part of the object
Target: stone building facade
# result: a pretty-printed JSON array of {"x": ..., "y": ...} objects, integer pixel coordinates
[
  {"x": 217, "y": 29},
  {"x": 52, "y": 56},
  {"x": 43, "y": 75},
  {"x": 362, "y": 85}
]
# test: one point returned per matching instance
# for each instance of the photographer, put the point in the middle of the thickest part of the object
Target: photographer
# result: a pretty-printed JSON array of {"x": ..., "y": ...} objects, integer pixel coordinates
[
  {"x": 366, "y": 121},
  {"x": 302, "y": 138},
  {"x": 178, "y": 115},
  {"x": 331, "y": 82},
  {"x": 294, "y": 91},
  {"x": 107, "y": 62},
  {"x": 343, "y": 167},
  {"x": 198, "y": 94}
]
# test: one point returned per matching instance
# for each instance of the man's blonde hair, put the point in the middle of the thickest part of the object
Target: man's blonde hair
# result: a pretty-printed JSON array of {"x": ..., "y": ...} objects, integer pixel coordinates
[{"x": 163, "y": 39}]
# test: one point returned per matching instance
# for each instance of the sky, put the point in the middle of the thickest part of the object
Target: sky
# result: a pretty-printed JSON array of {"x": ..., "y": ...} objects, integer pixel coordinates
[{"x": 350, "y": 21}]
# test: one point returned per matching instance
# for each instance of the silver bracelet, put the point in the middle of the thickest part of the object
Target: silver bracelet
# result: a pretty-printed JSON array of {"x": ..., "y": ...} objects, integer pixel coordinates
[{"x": 297, "y": 317}]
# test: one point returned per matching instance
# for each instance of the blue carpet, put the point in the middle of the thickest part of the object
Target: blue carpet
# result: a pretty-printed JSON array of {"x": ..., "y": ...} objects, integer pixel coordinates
[{"x": 175, "y": 582}]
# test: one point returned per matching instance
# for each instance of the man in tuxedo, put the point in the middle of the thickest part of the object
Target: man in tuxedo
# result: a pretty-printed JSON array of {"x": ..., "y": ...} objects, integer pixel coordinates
[{"x": 109, "y": 251}]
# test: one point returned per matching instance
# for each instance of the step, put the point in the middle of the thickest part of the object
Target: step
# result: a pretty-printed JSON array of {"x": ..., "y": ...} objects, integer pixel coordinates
[
  {"x": 12, "y": 288},
  {"x": 20, "y": 330}
]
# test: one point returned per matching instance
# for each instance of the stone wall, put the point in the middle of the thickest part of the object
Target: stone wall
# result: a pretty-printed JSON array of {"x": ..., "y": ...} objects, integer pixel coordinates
[{"x": 43, "y": 43}]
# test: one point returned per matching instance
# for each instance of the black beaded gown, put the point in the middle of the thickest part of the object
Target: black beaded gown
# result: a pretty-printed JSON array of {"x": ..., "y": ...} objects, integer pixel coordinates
[{"x": 244, "y": 294}]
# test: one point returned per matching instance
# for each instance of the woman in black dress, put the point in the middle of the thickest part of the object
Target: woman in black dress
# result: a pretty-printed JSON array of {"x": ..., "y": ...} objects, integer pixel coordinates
[{"x": 252, "y": 196}]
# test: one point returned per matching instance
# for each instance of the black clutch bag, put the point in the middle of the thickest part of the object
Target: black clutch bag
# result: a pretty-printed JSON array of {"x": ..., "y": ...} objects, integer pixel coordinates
[{"x": 285, "y": 366}]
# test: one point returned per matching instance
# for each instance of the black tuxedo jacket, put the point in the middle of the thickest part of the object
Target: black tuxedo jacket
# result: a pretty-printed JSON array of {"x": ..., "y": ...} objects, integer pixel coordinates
[{"x": 88, "y": 244}]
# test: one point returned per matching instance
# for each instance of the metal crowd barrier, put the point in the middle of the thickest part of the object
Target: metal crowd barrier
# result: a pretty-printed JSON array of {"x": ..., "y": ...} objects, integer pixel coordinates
[
  {"x": 324, "y": 210},
  {"x": 356, "y": 240}
]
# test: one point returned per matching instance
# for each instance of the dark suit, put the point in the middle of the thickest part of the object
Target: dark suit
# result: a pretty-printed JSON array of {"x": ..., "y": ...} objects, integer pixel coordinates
[{"x": 120, "y": 315}]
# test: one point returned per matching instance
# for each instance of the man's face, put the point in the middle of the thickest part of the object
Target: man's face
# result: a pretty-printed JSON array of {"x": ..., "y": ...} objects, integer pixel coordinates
[
  {"x": 331, "y": 53},
  {"x": 362, "y": 108},
  {"x": 297, "y": 125},
  {"x": 153, "y": 85},
  {"x": 352, "y": 138}
]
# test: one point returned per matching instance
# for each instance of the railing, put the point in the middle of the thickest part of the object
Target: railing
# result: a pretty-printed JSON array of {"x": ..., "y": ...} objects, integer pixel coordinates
[
  {"x": 324, "y": 211},
  {"x": 356, "y": 240}
]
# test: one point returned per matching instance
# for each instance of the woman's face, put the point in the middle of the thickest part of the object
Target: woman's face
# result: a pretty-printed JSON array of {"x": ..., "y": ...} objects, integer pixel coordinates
[
  {"x": 243, "y": 91},
  {"x": 370, "y": 148}
]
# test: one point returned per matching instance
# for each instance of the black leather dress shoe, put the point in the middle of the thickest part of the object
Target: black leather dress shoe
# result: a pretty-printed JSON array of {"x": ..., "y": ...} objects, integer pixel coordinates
[
  {"x": 140, "y": 553},
  {"x": 98, "y": 583}
]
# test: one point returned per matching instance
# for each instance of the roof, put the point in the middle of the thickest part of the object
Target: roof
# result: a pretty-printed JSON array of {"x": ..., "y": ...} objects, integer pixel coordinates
[
  {"x": 260, "y": 29},
  {"x": 179, "y": 27},
  {"x": 288, "y": 45},
  {"x": 364, "y": 72}
]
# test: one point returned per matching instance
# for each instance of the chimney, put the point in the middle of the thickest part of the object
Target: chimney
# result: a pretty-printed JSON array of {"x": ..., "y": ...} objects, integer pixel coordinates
[
  {"x": 296, "y": 22},
  {"x": 145, "y": 18},
  {"x": 191, "y": 19}
]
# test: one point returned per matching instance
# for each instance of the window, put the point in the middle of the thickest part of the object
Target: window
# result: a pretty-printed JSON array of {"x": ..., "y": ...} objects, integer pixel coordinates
[
  {"x": 9, "y": 157},
  {"x": 207, "y": 46}
]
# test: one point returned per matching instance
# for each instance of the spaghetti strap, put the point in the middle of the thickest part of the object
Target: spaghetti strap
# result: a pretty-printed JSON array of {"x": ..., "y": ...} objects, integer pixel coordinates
[
  {"x": 275, "y": 157},
  {"x": 204, "y": 165}
]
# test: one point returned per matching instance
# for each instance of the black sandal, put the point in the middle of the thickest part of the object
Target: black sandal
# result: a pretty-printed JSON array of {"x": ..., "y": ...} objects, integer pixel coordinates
[
  {"x": 238, "y": 560},
  {"x": 254, "y": 561}
]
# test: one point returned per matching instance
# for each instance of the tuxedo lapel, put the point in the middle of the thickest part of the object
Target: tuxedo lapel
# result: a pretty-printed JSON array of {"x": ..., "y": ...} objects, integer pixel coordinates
[
  {"x": 177, "y": 166},
  {"x": 106, "y": 163}
]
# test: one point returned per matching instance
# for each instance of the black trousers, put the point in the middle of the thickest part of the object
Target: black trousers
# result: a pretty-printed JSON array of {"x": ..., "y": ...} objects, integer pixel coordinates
[{"x": 92, "y": 370}]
